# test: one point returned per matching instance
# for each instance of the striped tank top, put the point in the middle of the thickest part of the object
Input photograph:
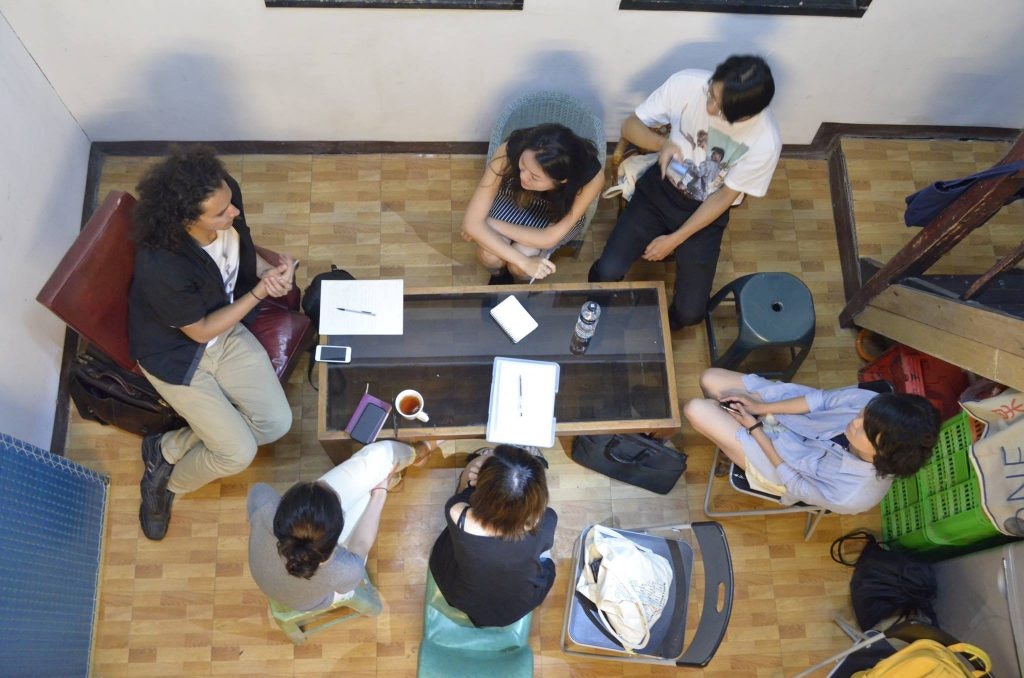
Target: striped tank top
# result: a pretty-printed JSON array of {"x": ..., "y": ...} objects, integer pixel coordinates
[{"x": 534, "y": 215}]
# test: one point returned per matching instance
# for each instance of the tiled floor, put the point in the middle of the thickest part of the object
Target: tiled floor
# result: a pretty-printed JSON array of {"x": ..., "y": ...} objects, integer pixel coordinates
[
  {"x": 187, "y": 605},
  {"x": 882, "y": 172}
]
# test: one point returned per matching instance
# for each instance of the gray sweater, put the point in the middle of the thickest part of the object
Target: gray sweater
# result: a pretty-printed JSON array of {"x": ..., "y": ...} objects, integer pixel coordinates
[{"x": 341, "y": 573}]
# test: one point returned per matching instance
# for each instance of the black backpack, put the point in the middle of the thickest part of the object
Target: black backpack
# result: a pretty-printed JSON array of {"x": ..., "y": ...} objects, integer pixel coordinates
[
  {"x": 311, "y": 306},
  {"x": 311, "y": 295},
  {"x": 886, "y": 583}
]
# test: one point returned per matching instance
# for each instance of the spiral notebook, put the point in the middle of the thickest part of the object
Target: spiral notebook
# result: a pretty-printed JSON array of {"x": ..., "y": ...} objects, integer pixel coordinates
[{"x": 514, "y": 319}]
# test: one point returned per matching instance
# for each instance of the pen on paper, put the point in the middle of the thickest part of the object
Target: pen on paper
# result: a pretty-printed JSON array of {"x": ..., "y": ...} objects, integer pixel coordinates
[
  {"x": 520, "y": 395},
  {"x": 353, "y": 310}
]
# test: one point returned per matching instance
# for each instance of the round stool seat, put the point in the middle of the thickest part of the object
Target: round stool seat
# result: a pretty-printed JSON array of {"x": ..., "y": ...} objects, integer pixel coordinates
[
  {"x": 775, "y": 308},
  {"x": 772, "y": 310}
]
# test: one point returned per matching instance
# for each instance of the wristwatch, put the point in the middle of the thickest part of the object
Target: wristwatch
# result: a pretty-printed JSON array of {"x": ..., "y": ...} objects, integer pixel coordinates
[{"x": 756, "y": 425}]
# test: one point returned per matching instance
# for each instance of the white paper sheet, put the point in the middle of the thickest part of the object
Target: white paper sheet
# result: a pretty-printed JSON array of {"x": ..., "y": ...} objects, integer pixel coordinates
[
  {"x": 381, "y": 298},
  {"x": 522, "y": 406}
]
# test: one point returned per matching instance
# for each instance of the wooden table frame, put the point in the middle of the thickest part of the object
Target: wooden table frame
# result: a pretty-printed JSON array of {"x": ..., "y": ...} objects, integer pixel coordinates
[{"x": 339, "y": 446}]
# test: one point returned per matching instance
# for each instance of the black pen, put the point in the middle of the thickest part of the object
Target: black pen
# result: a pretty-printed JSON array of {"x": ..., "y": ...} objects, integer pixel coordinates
[
  {"x": 520, "y": 395},
  {"x": 352, "y": 310}
]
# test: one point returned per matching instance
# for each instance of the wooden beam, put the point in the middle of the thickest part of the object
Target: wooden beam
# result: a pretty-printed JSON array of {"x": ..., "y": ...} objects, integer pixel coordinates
[
  {"x": 975, "y": 356},
  {"x": 1004, "y": 264},
  {"x": 842, "y": 215},
  {"x": 946, "y": 315}
]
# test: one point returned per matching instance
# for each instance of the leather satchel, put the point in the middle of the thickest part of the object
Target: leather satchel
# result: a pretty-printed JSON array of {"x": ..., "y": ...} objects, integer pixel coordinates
[
  {"x": 632, "y": 458},
  {"x": 104, "y": 392}
]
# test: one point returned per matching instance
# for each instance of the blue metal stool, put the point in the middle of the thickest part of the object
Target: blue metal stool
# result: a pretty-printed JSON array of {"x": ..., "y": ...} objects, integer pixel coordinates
[
  {"x": 452, "y": 646},
  {"x": 773, "y": 310}
]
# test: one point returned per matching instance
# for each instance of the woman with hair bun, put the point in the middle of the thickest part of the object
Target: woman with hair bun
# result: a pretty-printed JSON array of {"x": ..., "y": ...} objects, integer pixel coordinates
[
  {"x": 493, "y": 560},
  {"x": 308, "y": 548},
  {"x": 532, "y": 200}
]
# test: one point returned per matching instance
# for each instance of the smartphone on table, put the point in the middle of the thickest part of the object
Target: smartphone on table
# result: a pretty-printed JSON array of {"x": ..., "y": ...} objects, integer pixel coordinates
[
  {"x": 333, "y": 354},
  {"x": 368, "y": 419}
]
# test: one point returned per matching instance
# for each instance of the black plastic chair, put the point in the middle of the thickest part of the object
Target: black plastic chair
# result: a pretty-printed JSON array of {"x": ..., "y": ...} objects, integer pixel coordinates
[{"x": 584, "y": 635}]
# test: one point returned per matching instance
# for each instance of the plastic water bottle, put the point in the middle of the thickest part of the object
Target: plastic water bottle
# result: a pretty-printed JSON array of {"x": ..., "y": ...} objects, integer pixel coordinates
[{"x": 585, "y": 326}]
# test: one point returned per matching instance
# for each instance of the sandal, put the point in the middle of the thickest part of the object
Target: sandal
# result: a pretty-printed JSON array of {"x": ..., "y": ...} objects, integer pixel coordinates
[{"x": 424, "y": 448}]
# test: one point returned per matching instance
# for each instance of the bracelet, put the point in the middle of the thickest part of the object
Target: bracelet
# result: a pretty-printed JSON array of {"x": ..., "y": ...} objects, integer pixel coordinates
[
  {"x": 756, "y": 425},
  {"x": 256, "y": 295},
  {"x": 382, "y": 489}
]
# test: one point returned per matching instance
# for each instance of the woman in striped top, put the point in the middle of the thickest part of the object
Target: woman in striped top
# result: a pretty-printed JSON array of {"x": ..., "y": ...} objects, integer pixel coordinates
[{"x": 531, "y": 200}]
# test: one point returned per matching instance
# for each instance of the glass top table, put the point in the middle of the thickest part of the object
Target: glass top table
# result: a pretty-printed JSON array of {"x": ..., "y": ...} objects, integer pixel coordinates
[{"x": 625, "y": 382}]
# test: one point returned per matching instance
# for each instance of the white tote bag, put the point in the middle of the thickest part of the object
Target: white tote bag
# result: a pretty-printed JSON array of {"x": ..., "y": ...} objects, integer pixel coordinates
[
  {"x": 630, "y": 588},
  {"x": 630, "y": 170}
]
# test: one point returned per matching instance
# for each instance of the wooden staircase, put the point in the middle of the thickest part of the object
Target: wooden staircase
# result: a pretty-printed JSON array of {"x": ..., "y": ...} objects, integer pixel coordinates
[{"x": 974, "y": 321}]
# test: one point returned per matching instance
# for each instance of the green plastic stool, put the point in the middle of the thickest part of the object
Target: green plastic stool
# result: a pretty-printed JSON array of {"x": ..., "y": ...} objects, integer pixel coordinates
[
  {"x": 772, "y": 310},
  {"x": 453, "y": 647},
  {"x": 298, "y": 626}
]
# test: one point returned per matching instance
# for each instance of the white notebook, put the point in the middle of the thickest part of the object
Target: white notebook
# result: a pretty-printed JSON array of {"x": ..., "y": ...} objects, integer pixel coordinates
[
  {"x": 522, "y": 405},
  {"x": 514, "y": 319}
]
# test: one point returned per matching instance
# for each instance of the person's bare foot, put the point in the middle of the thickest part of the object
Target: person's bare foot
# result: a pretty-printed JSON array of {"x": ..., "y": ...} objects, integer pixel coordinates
[{"x": 424, "y": 448}]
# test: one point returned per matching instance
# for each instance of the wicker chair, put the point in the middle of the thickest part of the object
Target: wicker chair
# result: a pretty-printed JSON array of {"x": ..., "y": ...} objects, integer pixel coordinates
[{"x": 540, "y": 107}]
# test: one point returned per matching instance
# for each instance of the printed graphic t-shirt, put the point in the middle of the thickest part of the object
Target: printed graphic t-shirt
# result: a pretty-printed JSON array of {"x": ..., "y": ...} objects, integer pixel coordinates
[{"x": 741, "y": 155}]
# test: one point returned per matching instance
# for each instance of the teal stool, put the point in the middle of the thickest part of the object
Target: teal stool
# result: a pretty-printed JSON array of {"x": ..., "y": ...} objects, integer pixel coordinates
[
  {"x": 773, "y": 310},
  {"x": 453, "y": 647},
  {"x": 298, "y": 626}
]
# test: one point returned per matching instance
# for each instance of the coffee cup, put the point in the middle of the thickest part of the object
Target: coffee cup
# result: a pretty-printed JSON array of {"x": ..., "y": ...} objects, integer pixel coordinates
[{"x": 409, "y": 404}]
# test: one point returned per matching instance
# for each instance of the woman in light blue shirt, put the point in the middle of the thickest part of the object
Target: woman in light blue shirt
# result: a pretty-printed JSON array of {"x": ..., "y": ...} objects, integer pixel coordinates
[{"x": 838, "y": 449}]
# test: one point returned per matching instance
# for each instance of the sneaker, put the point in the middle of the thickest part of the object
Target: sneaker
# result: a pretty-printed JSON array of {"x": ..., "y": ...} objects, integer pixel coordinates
[
  {"x": 155, "y": 516},
  {"x": 155, "y": 509}
]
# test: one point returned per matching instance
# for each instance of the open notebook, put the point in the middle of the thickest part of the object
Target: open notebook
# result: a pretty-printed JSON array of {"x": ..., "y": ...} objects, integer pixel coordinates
[{"x": 522, "y": 407}]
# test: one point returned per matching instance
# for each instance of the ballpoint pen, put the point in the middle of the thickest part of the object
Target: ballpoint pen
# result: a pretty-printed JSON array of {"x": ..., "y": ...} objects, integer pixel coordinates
[
  {"x": 352, "y": 310},
  {"x": 520, "y": 395},
  {"x": 543, "y": 255}
]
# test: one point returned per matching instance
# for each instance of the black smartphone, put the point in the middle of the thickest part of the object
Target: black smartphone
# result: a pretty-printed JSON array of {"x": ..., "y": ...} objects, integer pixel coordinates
[
  {"x": 369, "y": 424},
  {"x": 368, "y": 419},
  {"x": 729, "y": 407}
]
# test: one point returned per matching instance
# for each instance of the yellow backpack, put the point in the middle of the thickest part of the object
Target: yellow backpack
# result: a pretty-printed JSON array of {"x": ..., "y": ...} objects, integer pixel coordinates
[{"x": 929, "y": 659}]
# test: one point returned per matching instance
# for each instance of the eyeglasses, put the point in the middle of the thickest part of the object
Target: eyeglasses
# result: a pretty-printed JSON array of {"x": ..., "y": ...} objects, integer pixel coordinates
[{"x": 709, "y": 92}]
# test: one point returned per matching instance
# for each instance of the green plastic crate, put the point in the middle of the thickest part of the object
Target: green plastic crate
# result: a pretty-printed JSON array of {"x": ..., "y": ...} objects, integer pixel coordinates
[
  {"x": 906, "y": 526},
  {"x": 954, "y": 517},
  {"x": 941, "y": 505}
]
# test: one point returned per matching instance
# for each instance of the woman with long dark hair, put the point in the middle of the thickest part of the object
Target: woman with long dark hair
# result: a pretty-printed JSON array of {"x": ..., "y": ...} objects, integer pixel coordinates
[
  {"x": 493, "y": 560},
  {"x": 531, "y": 200}
]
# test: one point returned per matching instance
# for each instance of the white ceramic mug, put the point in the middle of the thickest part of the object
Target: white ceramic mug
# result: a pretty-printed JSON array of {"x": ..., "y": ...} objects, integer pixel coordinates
[{"x": 413, "y": 402}]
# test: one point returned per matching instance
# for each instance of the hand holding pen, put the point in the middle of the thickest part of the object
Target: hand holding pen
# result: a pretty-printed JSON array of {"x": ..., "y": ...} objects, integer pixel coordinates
[{"x": 544, "y": 266}]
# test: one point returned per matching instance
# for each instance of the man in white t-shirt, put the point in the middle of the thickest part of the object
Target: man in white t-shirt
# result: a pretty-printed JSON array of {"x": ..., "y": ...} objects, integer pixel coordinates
[{"x": 723, "y": 143}]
